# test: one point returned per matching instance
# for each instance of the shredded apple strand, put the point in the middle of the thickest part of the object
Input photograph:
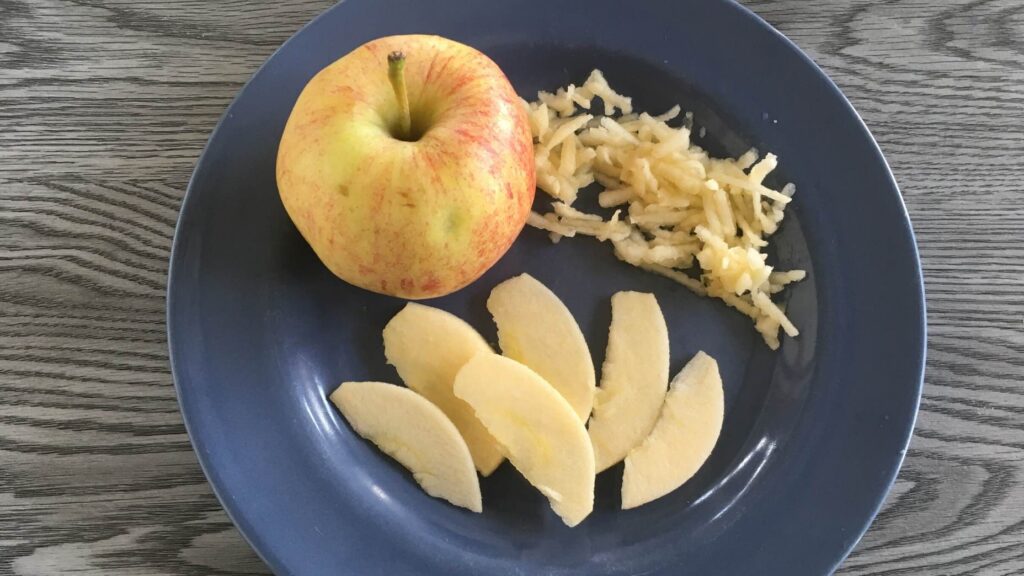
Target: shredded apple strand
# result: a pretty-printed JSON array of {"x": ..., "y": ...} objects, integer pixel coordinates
[{"x": 677, "y": 209}]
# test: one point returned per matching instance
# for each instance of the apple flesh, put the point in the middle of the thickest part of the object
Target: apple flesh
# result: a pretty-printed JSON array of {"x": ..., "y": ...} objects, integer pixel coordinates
[
  {"x": 538, "y": 429},
  {"x": 536, "y": 329},
  {"x": 410, "y": 429},
  {"x": 417, "y": 213},
  {"x": 428, "y": 346},
  {"x": 634, "y": 378},
  {"x": 682, "y": 438}
]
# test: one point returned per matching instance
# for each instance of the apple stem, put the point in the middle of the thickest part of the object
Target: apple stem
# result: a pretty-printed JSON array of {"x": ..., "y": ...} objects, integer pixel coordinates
[{"x": 396, "y": 74}]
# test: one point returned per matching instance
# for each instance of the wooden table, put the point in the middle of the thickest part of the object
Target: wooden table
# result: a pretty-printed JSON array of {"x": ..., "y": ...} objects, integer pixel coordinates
[{"x": 105, "y": 105}]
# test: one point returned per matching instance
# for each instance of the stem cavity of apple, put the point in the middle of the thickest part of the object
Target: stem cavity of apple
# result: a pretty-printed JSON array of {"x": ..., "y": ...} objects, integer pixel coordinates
[{"x": 396, "y": 74}]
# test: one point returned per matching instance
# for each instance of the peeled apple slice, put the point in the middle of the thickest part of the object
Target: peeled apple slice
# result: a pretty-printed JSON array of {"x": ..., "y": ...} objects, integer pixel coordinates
[
  {"x": 407, "y": 427},
  {"x": 428, "y": 346},
  {"x": 683, "y": 436},
  {"x": 540, "y": 433},
  {"x": 536, "y": 329},
  {"x": 634, "y": 378}
]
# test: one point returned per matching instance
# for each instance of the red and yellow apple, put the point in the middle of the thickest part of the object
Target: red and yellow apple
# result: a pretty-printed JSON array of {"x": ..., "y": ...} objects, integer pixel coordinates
[{"x": 407, "y": 165}]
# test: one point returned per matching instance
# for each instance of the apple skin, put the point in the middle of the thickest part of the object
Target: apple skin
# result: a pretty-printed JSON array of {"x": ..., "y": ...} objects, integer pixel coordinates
[{"x": 413, "y": 219}]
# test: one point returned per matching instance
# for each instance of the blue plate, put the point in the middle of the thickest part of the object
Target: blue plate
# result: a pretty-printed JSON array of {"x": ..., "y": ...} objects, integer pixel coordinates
[{"x": 260, "y": 331}]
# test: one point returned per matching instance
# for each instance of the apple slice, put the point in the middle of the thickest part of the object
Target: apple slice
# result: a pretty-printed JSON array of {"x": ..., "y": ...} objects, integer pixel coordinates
[
  {"x": 537, "y": 429},
  {"x": 407, "y": 427},
  {"x": 428, "y": 346},
  {"x": 683, "y": 436},
  {"x": 634, "y": 378},
  {"x": 536, "y": 329}
]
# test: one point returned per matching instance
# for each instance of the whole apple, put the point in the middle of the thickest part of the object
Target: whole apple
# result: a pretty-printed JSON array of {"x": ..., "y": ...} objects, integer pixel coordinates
[{"x": 408, "y": 165}]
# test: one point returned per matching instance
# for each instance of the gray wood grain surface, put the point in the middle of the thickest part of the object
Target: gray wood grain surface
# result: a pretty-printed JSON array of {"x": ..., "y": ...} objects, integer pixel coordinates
[{"x": 106, "y": 104}]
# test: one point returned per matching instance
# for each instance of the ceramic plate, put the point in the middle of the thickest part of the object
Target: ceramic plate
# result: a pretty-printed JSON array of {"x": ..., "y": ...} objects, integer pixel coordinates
[{"x": 814, "y": 433}]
